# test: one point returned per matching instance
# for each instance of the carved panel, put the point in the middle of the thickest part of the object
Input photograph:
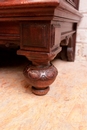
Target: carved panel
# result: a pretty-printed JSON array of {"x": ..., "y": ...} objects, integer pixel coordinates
[
  {"x": 55, "y": 35},
  {"x": 35, "y": 35}
]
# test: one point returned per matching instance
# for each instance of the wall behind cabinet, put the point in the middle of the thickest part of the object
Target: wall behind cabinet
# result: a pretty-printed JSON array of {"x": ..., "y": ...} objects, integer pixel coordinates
[{"x": 81, "y": 45}]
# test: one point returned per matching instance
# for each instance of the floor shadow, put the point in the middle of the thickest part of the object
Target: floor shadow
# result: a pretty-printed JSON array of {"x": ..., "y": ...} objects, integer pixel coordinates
[{"x": 9, "y": 58}]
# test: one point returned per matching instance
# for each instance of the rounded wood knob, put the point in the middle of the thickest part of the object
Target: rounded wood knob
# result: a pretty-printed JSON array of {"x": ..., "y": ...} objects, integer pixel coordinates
[{"x": 40, "y": 77}]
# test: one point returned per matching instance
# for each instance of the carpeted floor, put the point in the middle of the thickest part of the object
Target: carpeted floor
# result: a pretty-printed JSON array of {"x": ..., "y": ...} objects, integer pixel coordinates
[{"x": 63, "y": 108}]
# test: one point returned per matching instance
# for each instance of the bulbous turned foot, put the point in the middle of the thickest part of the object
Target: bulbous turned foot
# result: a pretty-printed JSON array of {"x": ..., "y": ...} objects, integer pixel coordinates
[
  {"x": 40, "y": 91},
  {"x": 40, "y": 77}
]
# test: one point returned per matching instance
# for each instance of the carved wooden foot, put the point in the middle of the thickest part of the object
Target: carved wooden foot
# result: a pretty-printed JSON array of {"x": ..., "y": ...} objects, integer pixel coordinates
[
  {"x": 40, "y": 43},
  {"x": 68, "y": 48},
  {"x": 40, "y": 77}
]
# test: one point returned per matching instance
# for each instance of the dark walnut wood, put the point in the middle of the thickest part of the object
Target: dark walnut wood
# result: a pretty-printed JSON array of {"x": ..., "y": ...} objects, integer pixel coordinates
[
  {"x": 41, "y": 29},
  {"x": 40, "y": 77}
]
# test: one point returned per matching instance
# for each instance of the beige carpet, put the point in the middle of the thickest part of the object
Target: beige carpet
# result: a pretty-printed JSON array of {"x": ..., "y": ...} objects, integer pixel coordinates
[{"x": 63, "y": 108}]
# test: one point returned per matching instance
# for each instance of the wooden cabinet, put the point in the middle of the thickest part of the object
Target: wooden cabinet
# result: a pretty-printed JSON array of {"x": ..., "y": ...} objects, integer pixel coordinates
[
  {"x": 74, "y": 3},
  {"x": 41, "y": 29}
]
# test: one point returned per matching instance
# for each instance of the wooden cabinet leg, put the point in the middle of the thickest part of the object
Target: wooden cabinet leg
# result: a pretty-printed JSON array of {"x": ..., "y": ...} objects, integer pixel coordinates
[
  {"x": 40, "y": 77},
  {"x": 41, "y": 73},
  {"x": 68, "y": 50},
  {"x": 40, "y": 43}
]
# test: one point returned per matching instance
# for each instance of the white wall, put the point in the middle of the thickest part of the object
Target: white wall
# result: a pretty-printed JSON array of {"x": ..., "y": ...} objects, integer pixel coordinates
[{"x": 81, "y": 41}]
